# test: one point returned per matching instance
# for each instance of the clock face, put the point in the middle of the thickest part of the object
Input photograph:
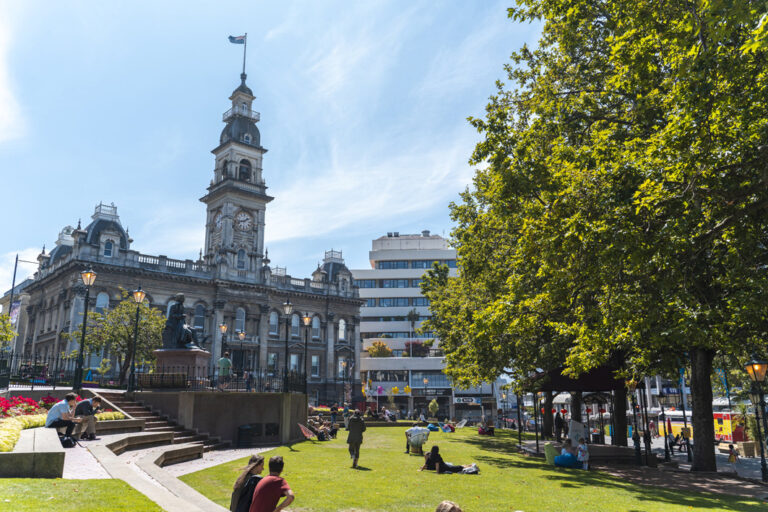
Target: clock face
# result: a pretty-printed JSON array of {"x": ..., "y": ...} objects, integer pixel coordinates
[
  {"x": 217, "y": 220},
  {"x": 243, "y": 221}
]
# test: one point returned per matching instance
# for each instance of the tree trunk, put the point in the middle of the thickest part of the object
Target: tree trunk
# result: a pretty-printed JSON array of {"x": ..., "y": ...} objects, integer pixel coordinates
[
  {"x": 577, "y": 399},
  {"x": 124, "y": 365},
  {"x": 548, "y": 418},
  {"x": 701, "y": 416},
  {"x": 620, "y": 417}
]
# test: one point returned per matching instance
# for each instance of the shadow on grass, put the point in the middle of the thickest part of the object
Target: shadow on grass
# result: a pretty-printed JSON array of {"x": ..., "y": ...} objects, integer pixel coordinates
[
  {"x": 576, "y": 479},
  {"x": 362, "y": 468}
]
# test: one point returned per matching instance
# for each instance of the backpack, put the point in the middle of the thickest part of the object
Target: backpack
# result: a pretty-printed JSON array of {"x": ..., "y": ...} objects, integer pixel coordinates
[
  {"x": 471, "y": 470},
  {"x": 67, "y": 441}
]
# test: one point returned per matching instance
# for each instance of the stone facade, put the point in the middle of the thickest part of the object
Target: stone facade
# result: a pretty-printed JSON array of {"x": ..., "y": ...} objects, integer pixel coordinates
[{"x": 231, "y": 283}]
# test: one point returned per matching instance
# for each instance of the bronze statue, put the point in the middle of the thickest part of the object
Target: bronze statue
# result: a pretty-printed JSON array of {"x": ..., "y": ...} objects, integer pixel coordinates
[{"x": 177, "y": 333}]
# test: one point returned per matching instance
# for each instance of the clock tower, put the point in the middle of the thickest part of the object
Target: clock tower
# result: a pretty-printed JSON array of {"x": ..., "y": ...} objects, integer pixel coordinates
[{"x": 237, "y": 200}]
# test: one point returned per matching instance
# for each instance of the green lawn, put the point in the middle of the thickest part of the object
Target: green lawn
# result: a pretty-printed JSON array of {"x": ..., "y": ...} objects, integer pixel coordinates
[
  {"x": 38, "y": 494},
  {"x": 320, "y": 475}
]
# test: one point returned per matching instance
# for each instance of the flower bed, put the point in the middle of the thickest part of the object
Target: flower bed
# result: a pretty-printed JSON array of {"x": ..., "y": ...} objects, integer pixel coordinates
[{"x": 18, "y": 413}]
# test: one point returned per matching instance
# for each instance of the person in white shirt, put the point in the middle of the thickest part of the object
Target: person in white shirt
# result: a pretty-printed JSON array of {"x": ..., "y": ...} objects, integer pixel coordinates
[{"x": 62, "y": 415}]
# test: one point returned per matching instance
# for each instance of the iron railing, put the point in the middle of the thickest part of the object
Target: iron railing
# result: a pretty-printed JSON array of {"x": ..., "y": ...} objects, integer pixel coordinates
[
  {"x": 18, "y": 371},
  {"x": 200, "y": 378}
]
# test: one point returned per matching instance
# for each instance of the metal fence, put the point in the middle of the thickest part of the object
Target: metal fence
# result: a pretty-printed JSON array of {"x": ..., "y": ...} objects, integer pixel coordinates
[
  {"x": 28, "y": 372},
  {"x": 200, "y": 378}
]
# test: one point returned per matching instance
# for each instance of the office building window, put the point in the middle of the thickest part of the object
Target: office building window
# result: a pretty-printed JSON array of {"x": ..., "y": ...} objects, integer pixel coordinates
[
  {"x": 451, "y": 263},
  {"x": 391, "y": 264},
  {"x": 365, "y": 283},
  {"x": 415, "y": 283},
  {"x": 392, "y": 302},
  {"x": 420, "y": 301},
  {"x": 395, "y": 283},
  {"x": 422, "y": 263},
  {"x": 370, "y": 303},
  {"x": 315, "y": 366}
]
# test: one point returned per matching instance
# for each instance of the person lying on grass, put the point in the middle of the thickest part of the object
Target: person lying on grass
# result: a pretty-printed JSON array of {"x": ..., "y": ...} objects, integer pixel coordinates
[{"x": 433, "y": 461}]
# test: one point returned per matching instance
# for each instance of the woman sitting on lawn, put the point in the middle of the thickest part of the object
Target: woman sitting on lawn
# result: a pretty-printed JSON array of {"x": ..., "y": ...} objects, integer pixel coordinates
[
  {"x": 567, "y": 457},
  {"x": 245, "y": 485},
  {"x": 433, "y": 461}
]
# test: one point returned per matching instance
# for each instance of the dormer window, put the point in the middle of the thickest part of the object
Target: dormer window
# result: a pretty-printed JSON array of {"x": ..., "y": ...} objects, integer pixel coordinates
[
  {"x": 108, "y": 246},
  {"x": 247, "y": 138},
  {"x": 245, "y": 170}
]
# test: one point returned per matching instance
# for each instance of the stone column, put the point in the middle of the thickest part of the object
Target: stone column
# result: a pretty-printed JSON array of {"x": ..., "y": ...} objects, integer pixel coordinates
[
  {"x": 263, "y": 335},
  {"x": 217, "y": 337},
  {"x": 330, "y": 343}
]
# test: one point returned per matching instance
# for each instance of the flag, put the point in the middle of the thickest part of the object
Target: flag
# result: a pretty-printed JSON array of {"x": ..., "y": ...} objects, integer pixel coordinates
[
  {"x": 14, "y": 313},
  {"x": 237, "y": 39}
]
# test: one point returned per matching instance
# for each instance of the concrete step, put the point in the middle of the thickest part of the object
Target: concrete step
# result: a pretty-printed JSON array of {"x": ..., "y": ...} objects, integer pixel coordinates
[
  {"x": 189, "y": 439},
  {"x": 217, "y": 446},
  {"x": 159, "y": 429}
]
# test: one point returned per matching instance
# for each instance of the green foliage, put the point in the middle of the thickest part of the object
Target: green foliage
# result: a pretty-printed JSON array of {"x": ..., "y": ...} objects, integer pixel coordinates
[
  {"x": 619, "y": 212},
  {"x": 433, "y": 407},
  {"x": 6, "y": 330},
  {"x": 114, "y": 330},
  {"x": 379, "y": 349}
]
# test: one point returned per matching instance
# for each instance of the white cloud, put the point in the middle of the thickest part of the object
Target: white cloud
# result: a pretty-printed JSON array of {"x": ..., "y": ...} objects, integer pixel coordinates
[
  {"x": 371, "y": 190},
  {"x": 24, "y": 271},
  {"x": 11, "y": 121}
]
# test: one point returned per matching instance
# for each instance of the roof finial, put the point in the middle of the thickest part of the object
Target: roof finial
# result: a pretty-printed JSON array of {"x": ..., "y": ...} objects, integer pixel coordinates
[
  {"x": 43, "y": 248},
  {"x": 78, "y": 224}
]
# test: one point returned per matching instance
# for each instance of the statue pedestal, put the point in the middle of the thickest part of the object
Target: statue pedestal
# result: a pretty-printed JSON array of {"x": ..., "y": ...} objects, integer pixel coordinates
[{"x": 192, "y": 362}]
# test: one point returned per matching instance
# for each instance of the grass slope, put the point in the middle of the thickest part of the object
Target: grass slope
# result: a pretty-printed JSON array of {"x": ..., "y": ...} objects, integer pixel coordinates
[
  {"x": 320, "y": 475},
  {"x": 38, "y": 494}
]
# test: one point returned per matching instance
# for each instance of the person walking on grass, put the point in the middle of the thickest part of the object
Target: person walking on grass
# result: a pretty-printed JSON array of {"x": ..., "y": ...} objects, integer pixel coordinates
[
  {"x": 245, "y": 485},
  {"x": 355, "y": 438},
  {"x": 271, "y": 488}
]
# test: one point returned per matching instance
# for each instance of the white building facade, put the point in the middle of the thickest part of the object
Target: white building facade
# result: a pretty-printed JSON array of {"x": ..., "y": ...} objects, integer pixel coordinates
[{"x": 393, "y": 311}]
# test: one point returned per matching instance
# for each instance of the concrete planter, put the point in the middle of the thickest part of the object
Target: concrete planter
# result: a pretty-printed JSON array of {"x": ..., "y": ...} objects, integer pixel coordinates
[{"x": 37, "y": 454}]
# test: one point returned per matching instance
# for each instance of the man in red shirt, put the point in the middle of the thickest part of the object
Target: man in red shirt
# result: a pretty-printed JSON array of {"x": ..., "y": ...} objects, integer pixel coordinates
[{"x": 271, "y": 488}]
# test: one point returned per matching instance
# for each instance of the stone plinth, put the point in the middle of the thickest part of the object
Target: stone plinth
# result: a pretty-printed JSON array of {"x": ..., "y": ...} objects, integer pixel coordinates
[{"x": 192, "y": 362}]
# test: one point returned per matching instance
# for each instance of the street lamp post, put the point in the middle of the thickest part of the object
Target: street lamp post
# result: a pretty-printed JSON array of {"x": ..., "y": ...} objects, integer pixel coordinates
[
  {"x": 287, "y": 309},
  {"x": 241, "y": 337},
  {"x": 631, "y": 387},
  {"x": 138, "y": 297},
  {"x": 223, "y": 331},
  {"x": 343, "y": 364},
  {"x": 756, "y": 368},
  {"x": 88, "y": 277},
  {"x": 519, "y": 421},
  {"x": 662, "y": 398},
  {"x": 307, "y": 321}
]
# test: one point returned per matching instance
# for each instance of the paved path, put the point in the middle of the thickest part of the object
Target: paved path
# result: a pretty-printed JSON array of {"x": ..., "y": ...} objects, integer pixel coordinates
[{"x": 213, "y": 458}]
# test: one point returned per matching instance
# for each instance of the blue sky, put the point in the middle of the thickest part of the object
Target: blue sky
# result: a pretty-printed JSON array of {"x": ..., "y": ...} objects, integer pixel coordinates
[{"x": 363, "y": 110}]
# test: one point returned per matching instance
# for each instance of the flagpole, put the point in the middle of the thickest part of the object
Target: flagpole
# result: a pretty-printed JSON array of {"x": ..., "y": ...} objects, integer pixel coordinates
[{"x": 245, "y": 47}]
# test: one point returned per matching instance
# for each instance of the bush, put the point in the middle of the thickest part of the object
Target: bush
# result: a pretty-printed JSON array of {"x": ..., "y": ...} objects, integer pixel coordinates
[
  {"x": 10, "y": 429},
  {"x": 379, "y": 349},
  {"x": 110, "y": 415}
]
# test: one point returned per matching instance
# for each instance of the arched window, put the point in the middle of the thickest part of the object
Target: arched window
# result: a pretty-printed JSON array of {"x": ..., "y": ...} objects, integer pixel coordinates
[
  {"x": 342, "y": 330},
  {"x": 241, "y": 259},
  {"x": 240, "y": 320},
  {"x": 108, "y": 249},
  {"x": 315, "y": 328},
  {"x": 245, "y": 170},
  {"x": 200, "y": 317},
  {"x": 102, "y": 302},
  {"x": 295, "y": 325},
  {"x": 273, "y": 319},
  {"x": 224, "y": 169}
]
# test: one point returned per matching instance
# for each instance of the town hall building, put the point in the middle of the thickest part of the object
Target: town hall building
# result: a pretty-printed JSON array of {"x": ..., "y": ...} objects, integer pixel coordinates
[{"x": 230, "y": 284}]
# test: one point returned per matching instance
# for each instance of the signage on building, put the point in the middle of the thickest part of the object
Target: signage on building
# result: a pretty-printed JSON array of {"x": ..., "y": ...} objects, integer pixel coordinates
[{"x": 467, "y": 400}]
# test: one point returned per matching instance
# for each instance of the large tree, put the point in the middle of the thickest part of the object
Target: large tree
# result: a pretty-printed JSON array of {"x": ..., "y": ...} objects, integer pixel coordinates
[
  {"x": 6, "y": 330},
  {"x": 620, "y": 212}
]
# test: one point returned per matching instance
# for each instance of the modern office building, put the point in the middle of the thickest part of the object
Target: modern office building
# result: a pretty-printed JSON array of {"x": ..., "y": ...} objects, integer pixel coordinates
[{"x": 393, "y": 311}]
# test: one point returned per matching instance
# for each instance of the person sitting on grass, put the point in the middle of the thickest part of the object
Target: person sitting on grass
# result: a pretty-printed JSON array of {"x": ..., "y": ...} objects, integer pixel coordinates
[
  {"x": 433, "y": 461},
  {"x": 567, "y": 457},
  {"x": 448, "y": 506},
  {"x": 415, "y": 437},
  {"x": 271, "y": 488},
  {"x": 242, "y": 494}
]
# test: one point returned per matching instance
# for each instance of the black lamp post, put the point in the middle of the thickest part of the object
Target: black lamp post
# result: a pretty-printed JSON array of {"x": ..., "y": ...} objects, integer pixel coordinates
[
  {"x": 307, "y": 321},
  {"x": 88, "y": 277},
  {"x": 241, "y": 337},
  {"x": 344, "y": 384},
  {"x": 756, "y": 368},
  {"x": 287, "y": 309},
  {"x": 632, "y": 387},
  {"x": 662, "y": 397},
  {"x": 138, "y": 297}
]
